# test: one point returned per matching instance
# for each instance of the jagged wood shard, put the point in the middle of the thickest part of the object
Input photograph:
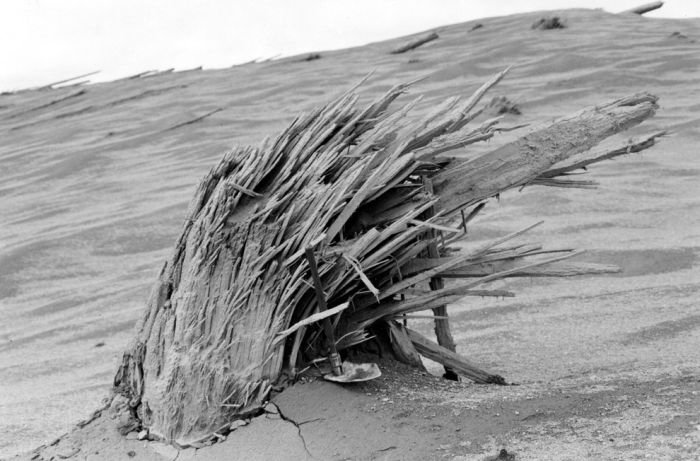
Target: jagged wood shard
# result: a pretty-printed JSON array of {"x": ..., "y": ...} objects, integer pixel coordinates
[{"x": 233, "y": 306}]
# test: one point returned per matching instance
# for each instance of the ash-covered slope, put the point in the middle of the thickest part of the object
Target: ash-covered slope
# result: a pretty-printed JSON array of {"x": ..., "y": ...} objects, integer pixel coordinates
[{"x": 95, "y": 181}]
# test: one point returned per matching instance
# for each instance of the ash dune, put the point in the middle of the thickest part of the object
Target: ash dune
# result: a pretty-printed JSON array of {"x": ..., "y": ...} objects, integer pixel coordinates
[{"x": 95, "y": 182}]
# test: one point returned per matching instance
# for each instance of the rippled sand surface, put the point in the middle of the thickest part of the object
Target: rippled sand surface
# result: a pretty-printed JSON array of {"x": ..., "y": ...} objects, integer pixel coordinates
[{"x": 95, "y": 180}]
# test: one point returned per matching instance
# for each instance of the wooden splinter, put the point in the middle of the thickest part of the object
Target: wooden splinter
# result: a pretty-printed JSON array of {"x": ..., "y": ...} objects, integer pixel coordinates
[{"x": 442, "y": 322}]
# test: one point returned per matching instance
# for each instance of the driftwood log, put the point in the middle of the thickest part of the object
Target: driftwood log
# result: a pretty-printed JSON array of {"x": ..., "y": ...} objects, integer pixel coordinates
[
  {"x": 413, "y": 44},
  {"x": 234, "y": 311},
  {"x": 72, "y": 79},
  {"x": 647, "y": 7}
]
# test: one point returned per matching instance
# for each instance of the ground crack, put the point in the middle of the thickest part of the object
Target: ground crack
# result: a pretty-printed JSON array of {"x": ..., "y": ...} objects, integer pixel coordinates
[
  {"x": 311, "y": 421},
  {"x": 298, "y": 426}
]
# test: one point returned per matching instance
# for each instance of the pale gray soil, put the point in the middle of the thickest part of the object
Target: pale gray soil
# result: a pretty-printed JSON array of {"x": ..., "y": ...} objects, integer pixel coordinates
[{"x": 94, "y": 188}]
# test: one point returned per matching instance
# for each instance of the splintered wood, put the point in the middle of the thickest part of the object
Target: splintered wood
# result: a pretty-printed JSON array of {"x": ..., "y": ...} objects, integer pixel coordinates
[{"x": 234, "y": 309}]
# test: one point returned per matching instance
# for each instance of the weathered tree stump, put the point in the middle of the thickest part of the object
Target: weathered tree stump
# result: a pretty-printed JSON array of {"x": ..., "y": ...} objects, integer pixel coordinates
[{"x": 234, "y": 307}]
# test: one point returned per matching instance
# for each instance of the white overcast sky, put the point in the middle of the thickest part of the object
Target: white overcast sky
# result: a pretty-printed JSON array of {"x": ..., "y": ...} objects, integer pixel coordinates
[{"x": 42, "y": 41}]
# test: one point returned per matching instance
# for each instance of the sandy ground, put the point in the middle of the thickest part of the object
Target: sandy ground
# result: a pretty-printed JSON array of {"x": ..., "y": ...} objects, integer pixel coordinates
[
  {"x": 95, "y": 181},
  {"x": 409, "y": 414}
]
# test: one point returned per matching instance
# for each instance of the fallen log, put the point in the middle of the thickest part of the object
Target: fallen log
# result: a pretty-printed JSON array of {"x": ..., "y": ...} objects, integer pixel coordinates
[
  {"x": 61, "y": 82},
  {"x": 452, "y": 360},
  {"x": 194, "y": 120},
  {"x": 647, "y": 7},
  {"x": 413, "y": 44}
]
